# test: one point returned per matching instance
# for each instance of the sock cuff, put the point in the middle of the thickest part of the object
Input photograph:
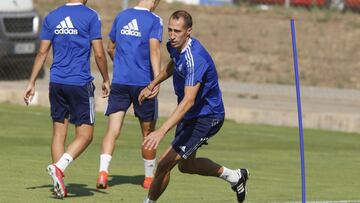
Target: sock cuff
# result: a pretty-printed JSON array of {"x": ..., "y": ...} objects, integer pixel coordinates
[
  {"x": 106, "y": 156},
  {"x": 68, "y": 156},
  {"x": 149, "y": 160},
  {"x": 147, "y": 200}
]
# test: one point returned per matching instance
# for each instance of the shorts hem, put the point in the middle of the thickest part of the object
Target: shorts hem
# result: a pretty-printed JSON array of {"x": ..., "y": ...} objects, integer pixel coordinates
[{"x": 114, "y": 111}]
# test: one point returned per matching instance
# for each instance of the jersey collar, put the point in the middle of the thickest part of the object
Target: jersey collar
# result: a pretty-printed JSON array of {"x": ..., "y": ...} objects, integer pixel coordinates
[
  {"x": 74, "y": 4},
  {"x": 187, "y": 45},
  {"x": 141, "y": 8}
]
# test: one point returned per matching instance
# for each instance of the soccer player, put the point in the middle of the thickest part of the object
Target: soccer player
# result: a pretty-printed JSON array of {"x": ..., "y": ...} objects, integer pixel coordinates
[
  {"x": 134, "y": 46},
  {"x": 199, "y": 114},
  {"x": 71, "y": 29}
]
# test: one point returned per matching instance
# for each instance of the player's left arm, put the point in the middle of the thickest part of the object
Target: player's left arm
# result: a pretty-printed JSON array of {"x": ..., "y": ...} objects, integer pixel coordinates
[
  {"x": 155, "y": 58},
  {"x": 111, "y": 49},
  {"x": 99, "y": 53},
  {"x": 155, "y": 53},
  {"x": 101, "y": 62},
  {"x": 153, "y": 139}
]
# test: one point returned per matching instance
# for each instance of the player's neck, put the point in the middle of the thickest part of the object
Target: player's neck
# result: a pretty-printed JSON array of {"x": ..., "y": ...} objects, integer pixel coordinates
[
  {"x": 145, "y": 4},
  {"x": 75, "y": 1},
  {"x": 184, "y": 46}
]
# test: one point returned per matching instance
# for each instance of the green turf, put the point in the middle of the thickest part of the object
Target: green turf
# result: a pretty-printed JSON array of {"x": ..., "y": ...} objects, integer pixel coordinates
[{"x": 271, "y": 154}]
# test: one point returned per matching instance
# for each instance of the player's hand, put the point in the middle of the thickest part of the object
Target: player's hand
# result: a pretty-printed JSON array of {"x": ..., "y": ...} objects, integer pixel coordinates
[
  {"x": 154, "y": 92},
  {"x": 29, "y": 93},
  {"x": 153, "y": 139},
  {"x": 144, "y": 94},
  {"x": 105, "y": 89}
]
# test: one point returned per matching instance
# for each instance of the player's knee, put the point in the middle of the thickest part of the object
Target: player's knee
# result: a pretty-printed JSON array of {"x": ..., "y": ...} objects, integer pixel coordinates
[
  {"x": 87, "y": 137},
  {"x": 58, "y": 135},
  {"x": 147, "y": 131}
]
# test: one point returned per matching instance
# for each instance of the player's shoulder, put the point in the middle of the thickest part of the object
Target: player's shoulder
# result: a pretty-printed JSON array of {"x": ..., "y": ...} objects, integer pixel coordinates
[
  {"x": 92, "y": 11},
  {"x": 54, "y": 12},
  {"x": 198, "y": 49},
  {"x": 87, "y": 12},
  {"x": 157, "y": 18},
  {"x": 195, "y": 48},
  {"x": 146, "y": 14}
]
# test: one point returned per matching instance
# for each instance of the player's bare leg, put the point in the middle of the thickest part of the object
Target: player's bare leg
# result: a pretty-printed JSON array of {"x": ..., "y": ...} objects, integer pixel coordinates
[
  {"x": 205, "y": 167},
  {"x": 162, "y": 175},
  {"x": 200, "y": 166},
  {"x": 148, "y": 155},
  {"x": 113, "y": 130},
  {"x": 83, "y": 137},
  {"x": 58, "y": 140}
]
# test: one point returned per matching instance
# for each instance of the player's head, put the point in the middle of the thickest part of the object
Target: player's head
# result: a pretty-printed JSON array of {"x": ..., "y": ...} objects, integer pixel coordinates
[
  {"x": 179, "y": 28},
  {"x": 155, "y": 3},
  {"x": 150, "y": 4}
]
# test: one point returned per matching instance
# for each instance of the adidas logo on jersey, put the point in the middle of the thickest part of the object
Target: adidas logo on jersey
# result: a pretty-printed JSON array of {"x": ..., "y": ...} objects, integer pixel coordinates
[
  {"x": 131, "y": 29},
  {"x": 66, "y": 28}
]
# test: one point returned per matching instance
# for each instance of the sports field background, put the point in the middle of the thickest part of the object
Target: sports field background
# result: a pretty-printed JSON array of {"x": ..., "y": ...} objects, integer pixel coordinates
[
  {"x": 271, "y": 154},
  {"x": 252, "y": 45}
]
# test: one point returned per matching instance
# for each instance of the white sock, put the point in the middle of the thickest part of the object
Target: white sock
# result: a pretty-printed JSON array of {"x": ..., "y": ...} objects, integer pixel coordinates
[
  {"x": 147, "y": 200},
  {"x": 64, "y": 161},
  {"x": 105, "y": 162},
  {"x": 231, "y": 176},
  {"x": 149, "y": 166}
]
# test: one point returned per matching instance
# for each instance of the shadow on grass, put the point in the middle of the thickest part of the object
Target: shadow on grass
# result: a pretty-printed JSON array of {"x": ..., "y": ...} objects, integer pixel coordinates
[
  {"x": 74, "y": 190},
  {"x": 120, "y": 179}
]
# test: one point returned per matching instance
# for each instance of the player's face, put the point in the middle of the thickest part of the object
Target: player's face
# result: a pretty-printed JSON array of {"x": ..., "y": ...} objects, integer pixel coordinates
[
  {"x": 178, "y": 33},
  {"x": 84, "y": 2}
]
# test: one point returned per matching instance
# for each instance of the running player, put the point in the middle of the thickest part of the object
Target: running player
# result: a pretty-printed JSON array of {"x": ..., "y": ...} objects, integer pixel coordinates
[
  {"x": 198, "y": 116},
  {"x": 134, "y": 47},
  {"x": 71, "y": 29}
]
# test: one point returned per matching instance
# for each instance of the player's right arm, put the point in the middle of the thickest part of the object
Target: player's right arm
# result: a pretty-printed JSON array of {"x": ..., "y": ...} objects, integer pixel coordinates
[
  {"x": 38, "y": 64},
  {"x": 164, "y": 74}
]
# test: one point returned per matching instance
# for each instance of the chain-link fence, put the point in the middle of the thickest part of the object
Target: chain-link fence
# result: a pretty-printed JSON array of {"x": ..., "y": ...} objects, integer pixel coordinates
[
  {"x": 19, "y": 30},
  {"x": 247, "y": 44}
]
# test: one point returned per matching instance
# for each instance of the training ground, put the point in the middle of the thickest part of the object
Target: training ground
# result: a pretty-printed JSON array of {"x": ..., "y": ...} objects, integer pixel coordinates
[{"x": 270, "y": 153}]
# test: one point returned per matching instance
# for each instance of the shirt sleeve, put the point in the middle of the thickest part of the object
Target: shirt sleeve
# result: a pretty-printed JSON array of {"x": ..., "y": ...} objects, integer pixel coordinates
[
  {"x": 95, "y": 27},
  {"x": 157, "y": 29},
  {"x": 46, "y": 32},
  {"x": 196, "y": 68},
  {"x": 112, "y": 34}
]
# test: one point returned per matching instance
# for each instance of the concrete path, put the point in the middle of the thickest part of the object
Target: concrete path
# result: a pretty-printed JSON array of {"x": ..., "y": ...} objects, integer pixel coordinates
[{"x": 323, "y": 108}]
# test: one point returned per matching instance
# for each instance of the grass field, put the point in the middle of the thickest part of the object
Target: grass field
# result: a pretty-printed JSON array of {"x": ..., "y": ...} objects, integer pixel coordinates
[{"x": 271, "y": 154}]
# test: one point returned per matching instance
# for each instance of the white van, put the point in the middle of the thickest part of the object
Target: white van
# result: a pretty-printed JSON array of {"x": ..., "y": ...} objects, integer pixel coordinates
[{"x": 19, "y": 38}]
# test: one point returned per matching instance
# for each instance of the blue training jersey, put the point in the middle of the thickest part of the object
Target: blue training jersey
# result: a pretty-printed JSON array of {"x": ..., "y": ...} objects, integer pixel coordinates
[
  {"x": 194, "y": 65},
  {"x": 131, "y": 31},
  {"x": 71, "y": 28}
]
